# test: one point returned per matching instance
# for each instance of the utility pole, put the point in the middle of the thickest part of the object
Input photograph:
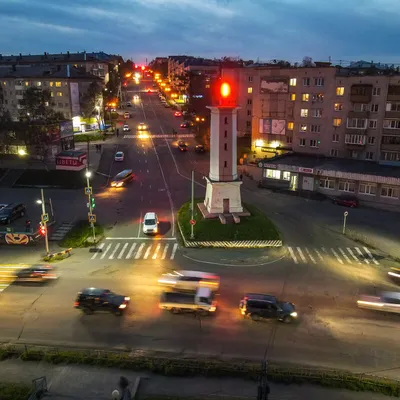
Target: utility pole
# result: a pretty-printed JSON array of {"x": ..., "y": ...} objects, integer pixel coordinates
[
  {"x": 90, "y": 205},
  {"x": 44, "y": 222},
  {"x": 192, "y": 209}
]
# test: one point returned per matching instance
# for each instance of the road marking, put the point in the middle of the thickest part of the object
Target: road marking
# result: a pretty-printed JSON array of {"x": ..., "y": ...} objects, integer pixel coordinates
[
  {"x": 115, "y": 250},
  {"x": 122, "y": 251},
  {"x": 130, "y": 252},
  {"x": 139, "y": 252},
  {"x": 371, "y": 256},
  {"x": 156, "y": 252},
  {"x": 352, "y": 254},
  {"x": 174, "y": 251},
  {"x": 301, "y": 255},
  {"x": 337, "y": 256},
  {"x": 99, "y": 247},
  {"x": 105, "y": 252},
  {"x": 319, "y": 255},
  {"x": 146, "y": 255},
  {"x": 361, "y": 254},
  {"x": 139, "y": 238},
  {"x": 310, "y": 255},
  {"x": 293, "y": 255},
  {"x": 164, "y": 252},
  {"x": 345, "y": 255}
]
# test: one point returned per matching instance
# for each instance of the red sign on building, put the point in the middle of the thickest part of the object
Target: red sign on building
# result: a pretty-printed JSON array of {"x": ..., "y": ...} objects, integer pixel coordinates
[{"x": 71, "y": 160}]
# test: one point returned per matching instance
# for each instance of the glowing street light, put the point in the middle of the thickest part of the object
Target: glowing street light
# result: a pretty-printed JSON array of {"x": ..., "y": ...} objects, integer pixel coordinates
[{"x": 21, "y": 152}]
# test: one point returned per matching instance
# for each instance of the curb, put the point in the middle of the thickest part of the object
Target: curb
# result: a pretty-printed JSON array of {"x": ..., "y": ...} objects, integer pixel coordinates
[
  {"x": 61, "y": 253},
  {"x": 240, "y": 244}
]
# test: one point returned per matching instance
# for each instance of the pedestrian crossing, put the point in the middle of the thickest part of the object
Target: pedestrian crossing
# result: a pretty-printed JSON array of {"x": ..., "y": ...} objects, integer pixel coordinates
[
  {"x": 8, "y": 273},
  {"x": 343, "y": 255},
  {"x": 141, "y": 136},
  {"x": 156, "y": 250},
  {"x": 61, "y": 231}
]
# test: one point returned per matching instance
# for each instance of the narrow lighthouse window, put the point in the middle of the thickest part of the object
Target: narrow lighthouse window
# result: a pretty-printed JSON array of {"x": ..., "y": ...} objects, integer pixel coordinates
[
  {"x": 226, "y": 134},
  {"x": 226, "y": 120}
]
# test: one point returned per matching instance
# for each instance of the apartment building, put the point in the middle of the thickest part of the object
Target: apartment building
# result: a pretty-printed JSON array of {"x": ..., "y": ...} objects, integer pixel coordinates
[{"x": 99, "y": 64}]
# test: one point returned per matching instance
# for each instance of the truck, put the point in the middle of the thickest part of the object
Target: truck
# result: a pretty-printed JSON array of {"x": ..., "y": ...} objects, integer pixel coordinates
[{"x": 201, "y": 301}]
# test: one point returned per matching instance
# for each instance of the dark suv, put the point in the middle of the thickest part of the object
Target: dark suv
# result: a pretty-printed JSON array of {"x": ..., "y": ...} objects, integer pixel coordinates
[
  {"x": 11, "y": 212},
  {"x": 91, "y": 300},
  {"x": 264, "y": 306}
]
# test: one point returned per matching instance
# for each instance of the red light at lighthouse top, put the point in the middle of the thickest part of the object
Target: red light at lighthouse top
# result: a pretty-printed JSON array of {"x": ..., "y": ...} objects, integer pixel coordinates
[
  {"x": 225, "y": 90},
  {"x": 226, "y": 97}
]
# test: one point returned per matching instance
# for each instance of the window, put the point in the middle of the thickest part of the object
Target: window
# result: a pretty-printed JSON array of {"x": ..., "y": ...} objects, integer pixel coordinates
[
  {"x": 338, "y": 107},
  {"x": 369, "y": 155},
  {"x": 387, "y": 191},
  {"x": 371, "y": 139},
  {"x": 337, "y": 122},
  {"x": 292, "y": 96},
  {"x": 306, "y": 81},
  {"x": 289, "y": 139},
  {"x": 272, "y": 174},
  {"x": 315, "y": 128},
  {"x": 26, "y": 83},
  {"x": 372, "y": 123},
  {"x": 38, "y": 84},
  {"x": 52, "y": 94},
  {"x": 374, "y": 108},
  {"x": 340, "y": 91},
  {"x": 302, "y": 142},
  {"x": 249, "y": 102},
  {"x": 360, "y": 107},
  {"x": 319, "y": 81},
  {"x": 51, "y": 84},
  {"x": 391, "y": 140},
  {"x": 334, "y": 153},
  {"x": 293, "y": 82},
  {"x": 335, "y": 137},
  {"x": 314, "y": 143},
  {"x": 345, "y": 186},
  {"x": 226, "y": 134},
  {"x": 304, "y": 112},
  {"x": 226, "y": 146},
  {"x": 376, "y": 91},
  {"x": 290, "y": 126},
  {"x": 225, "y": 164},
  {"x": 305, "y": 97},
  {"x": 286, "y": 176},
  {"x": 355, "y": 139},
  {"x": 249, "y": 90},
  {"x": 367, "y": 188},
  {"x": 356, "y": 123},
  {"x": 59, "y": 105},
  {"x": 58, "y": 84},
  {"x": 392, "y": 106},
  {"x": 390, "y": 156},
  {"x": 248, "y": 113},
  {"x": 317, "y": 112},
  {"x": 303, "y": 127},
  {"x": 46, "y": 103},
  {"x": 327, "y": 183},
  {"x": 391, "y": 123},
  {"x": 250, "y": 79},
  {"x": 59, "y": 94},
  {"x": 66, "y": 104},
  {"x": 318, "y": 97}
]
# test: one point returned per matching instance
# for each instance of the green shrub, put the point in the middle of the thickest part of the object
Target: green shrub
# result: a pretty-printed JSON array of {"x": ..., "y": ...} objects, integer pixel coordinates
[
  {"x": 14, "y": 391},
  {"x": 79, "y": 234},
  {"x": 90, "y": 137}
]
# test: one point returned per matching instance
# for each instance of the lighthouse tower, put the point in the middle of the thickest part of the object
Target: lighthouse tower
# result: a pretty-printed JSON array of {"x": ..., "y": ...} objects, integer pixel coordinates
[{"x": 223, "y": 187}]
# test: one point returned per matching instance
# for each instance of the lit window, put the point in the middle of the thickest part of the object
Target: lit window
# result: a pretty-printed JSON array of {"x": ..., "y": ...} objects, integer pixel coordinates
[
  {"x": 249, "y": 90},
  {"x": 337, "y": 121},
  {"x": 293, "y": 82},
  {"x": 58, "y": 84},
  {"x": 207, "y": 86},
  {"x": 286, "y": 176},
  {"x": 290, "y": 126},
  {"x": 38, "y": 84},
  {"x": 272, "y": 174},
  {"x": 305, "y": 97},
  {"x": 52, "y": 94},
  {"x": 59, "y": 94},
  {"x": 292, "y": 96},
  {"x": 338, "y": 107},
  {"x": 51, "y": 84},
  {"x": 340, "y": 91},
  {"x": 26, "y": 83},
  {"x": 5, "y": 83},
  {"x": 303, "y": 127},
  {"x": 304, "y": 112}
]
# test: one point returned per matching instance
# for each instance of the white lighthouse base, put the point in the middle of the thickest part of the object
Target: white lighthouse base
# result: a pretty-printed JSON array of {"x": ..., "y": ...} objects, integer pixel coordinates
[{"x": 223, "y": 197}]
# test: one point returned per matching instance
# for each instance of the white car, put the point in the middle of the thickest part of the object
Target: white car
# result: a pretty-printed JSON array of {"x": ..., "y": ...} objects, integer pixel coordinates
[
  {"x": 125, "y": 128},
  {"x": 150, "y": 223},
  {"x": 388, "y": 302},
  {"x": 190, "y": 280},
  {"x": 142, "y": 126},
  {"x": 119, "y": 156}
]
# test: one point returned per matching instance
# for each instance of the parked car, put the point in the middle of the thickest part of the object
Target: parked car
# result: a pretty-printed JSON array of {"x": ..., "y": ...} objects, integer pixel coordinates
[
  {"x": 200, "y": 149},
  {"x": 186, "y": 124},
  {"x": 119, "y": 156},
  {"x": 128, "y": 104},
  {"x": 125, "y": 128},
  {"x": 346, "y": 200},
  {"x": 123, "y": 178},
  {"x": 127, "y": 115},
  {"x": 11, "y": 212}
]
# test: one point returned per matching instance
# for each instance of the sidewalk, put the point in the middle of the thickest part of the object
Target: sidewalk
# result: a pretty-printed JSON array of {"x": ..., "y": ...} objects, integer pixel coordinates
[{"x": 92, "y": 383}]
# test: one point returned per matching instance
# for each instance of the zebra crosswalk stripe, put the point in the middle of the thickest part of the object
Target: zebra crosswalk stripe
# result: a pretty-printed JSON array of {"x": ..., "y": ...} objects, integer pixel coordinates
[
  {"x": 140, "y": 251},
  {"x": 120, "y": 255},
  {"x": 131, "y": 250},
  {"x": 301, "y": 254},
  {"x": 114, "y": 251},
  {"x": 174, "y": 251},
  {"x": 353, "y": 255},
  {"x": 337, "y": 256},
  {"x": 345, "y": 256},
  {"x": 371, "y": 256},
  {"x": 361, "y": 254},
  {"x": 156, "y": 252},
  {"x": 310, "y": 255},
  {"x": 164, "y": 252},
  {"x": 293, "y": 255},
  {"x": 105, "y": 252},
  {"x": 100, "y": 246}
]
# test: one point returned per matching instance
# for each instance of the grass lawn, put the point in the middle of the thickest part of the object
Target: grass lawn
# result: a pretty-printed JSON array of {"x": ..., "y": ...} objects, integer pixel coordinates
[
  {"x": 14, "y": 391},
  {"x": 79, "y": 234},
  {"x": 255, "y": 227}
]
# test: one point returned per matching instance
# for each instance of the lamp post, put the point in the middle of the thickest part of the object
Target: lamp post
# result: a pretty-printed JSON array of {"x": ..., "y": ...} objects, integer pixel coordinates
[
  {"x": 44, "y": 221},
  {"x": 88, "y": 174}
]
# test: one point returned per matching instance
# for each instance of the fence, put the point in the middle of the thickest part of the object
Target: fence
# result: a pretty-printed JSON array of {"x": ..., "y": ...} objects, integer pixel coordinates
[{"x": 39, "y": 388}]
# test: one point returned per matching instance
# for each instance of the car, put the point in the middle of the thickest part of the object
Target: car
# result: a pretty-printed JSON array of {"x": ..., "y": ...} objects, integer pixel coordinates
[
  {"x": 119, "y": 156},
  {"x": 136, "y": 97},
  {"x": 386, "y": 302},
  {"x": 122, "y": 178},
  {"x": 177, "y": 114},
  {"x": 394, "y": 274},
  {"x": 150, "y": 223},
  {"x": 11, "y": 212},
  {"x": 127, "y": 115},
  {"x": 264, "y": 306},
  {"x": 142, "y": 126},
  {"x": 182, "y": 146},
  {"x": 189, "y": 280},
  {"x": 128, "y": 104},
  {"x": 346, "y": 200},
  {"x": 36, "y": 273},
  {"x": 125, "y": 128},
  {"x": 186, "y": 124},
  {"x": 200, "y": 148},
  {"x": 91, "y": 300}
]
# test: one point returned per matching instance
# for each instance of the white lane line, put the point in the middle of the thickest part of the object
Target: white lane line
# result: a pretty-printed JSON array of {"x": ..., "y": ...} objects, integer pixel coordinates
[
  {"x": 174, "y": 251},
  {"x": 140, "y": 251},
  {"x": 146, "y": 255},
  {"x": 131, "y": 250},
  {"x": 353, "y": 255},
  {"x": 294, "y": 258},
  {"x": 310, "y": 255},
  {"x": 319, "y": 255},
  {"x": 345, "y": 256},
  {"x": 140, "y": 226},
  {"x": 370, "y": 256},
  {"x": 301, "y": 254},
  {"x": 337, "y": 256},
  {"x": 105, "y": 252},
  {"x": 164, "y": 252},
  {"x": 115, "y": 250},
  {"x": 156, "y": 252},
  {"x": 361, "y": 254},
  {"x": 122, "y": 251},
  {"x": 101, "y": 245}
]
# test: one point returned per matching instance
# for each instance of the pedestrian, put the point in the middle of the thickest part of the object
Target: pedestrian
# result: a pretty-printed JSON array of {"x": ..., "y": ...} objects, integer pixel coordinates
[
  {"x": 117, "y": 132},
  {"x": 241, "y": 177},
  {"x": 100, "y": 147}
]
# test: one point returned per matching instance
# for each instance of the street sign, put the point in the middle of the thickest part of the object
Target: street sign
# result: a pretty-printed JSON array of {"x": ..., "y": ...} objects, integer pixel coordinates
[
  {"x": 346, "y": 213},
  {"x": 88, "y": 190},
  {"x": 45, "y": 218},
  {"x": 192, "y": 222},
  {"x": 92, "y": 217}
]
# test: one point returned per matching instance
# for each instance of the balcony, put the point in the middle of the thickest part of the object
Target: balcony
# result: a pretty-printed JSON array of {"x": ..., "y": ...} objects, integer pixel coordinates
[
  {"x": 358, "y": 114},
  {"x": 390, "y": 147},
  {"x": 361, "y": 93},
  {"x": 356, "y": 131},
  {"x": 19, "y": 87},
  {"x": 352, "y": 140},
  {"x": 393, "y": 93},
  {"x": 386, "y": 131},
  {"x": 392, "y": 114}
]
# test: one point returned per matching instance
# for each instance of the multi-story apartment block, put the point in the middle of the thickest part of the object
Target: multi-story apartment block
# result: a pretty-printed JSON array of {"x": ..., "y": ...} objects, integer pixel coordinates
[{"x": 99, "y": 64}]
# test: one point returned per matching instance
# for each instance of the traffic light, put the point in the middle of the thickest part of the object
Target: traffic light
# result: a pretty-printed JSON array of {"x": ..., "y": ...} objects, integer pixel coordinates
[
  {"x": 42, "y": 229},
  {"x": 92, "y": 202}
]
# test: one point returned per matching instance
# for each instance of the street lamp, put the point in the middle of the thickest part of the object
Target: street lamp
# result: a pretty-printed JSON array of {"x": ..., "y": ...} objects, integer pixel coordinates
[
  {"x": 44, "y": 220},
  {"x": 21, "y": 152}
]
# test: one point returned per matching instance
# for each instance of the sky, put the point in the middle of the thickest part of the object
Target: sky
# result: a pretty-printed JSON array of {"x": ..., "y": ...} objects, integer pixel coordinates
[{"x": 250, "y": 29}]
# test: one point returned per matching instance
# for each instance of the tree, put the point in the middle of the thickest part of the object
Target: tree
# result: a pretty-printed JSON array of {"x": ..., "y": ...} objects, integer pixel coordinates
[
  {"x": 113, "y": 85},
  {"x": 92, "y": 102},
  {"x": 307, "y": 62}
]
